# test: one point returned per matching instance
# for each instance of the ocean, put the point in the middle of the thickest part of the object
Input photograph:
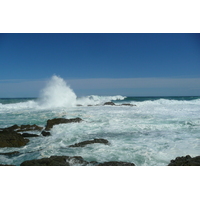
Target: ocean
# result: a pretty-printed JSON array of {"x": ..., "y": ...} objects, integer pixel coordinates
[{"x": 151, "y": 133}]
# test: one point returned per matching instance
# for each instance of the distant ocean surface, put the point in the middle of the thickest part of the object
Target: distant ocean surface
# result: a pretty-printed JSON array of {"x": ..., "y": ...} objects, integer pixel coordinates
[{"x": 155, "y": 131}]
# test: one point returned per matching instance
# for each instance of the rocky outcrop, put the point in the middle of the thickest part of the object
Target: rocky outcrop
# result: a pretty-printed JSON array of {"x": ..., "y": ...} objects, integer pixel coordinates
[
  {"x": 70, "y": 161},
  {"x": 56, "y": 161},
  {"x": 12, "y": 139},
  {"x": 56, "y": 121},
  {"x": 109, "y": 103},
  {"x": 84, "y": 143},
  {"x": 116, "y": 163},
  {"x": 185, "y": 161}
]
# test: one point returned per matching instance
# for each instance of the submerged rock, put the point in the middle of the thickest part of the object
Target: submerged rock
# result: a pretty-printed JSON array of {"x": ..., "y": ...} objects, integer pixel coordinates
[
  {"x": 56, "y": 161},
  {"x": 56, "y": 121},
  {"x": 116, "y": 163},
  {"x": 84, "y": 143},
  {"x": 128, "y": 104},
  {"x": 185, "y": 161},
  {"x": 109, "y": 103},
  {"x": 23, "y": 128},
  {"x": 10, "y": 154},
  {"x": 12, "y": 139}
]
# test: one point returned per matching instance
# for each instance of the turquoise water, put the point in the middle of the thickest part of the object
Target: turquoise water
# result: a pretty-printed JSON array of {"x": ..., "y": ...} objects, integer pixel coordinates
[{"x": 151, "y": 133}]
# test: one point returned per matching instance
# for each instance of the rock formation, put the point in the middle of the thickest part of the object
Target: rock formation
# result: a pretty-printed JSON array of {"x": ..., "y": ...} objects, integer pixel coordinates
[
  {"x": 185, "y": 161},
  {"x": 12, "y": 139},
  {"x": 56, "y": 121},
  {"x": 84, "y": 143}
]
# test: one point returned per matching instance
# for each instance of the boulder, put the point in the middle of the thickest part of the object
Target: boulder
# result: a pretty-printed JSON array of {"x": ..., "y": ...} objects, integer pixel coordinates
[
  {"x": 56, "y": 121},
  {"x": 116, "y": 163},
  {"x": 109, "y": 103},
  {"x": 12, "y": 139},
  {"x": 185, "y": 161},
  {"x": 84, "y": 143},
  {"x": 45, "y": 133},
  {"x": 56, "y": 161}
]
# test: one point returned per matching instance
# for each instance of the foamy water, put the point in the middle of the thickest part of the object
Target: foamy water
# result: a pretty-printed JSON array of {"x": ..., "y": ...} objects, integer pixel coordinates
[{"x": 153, "y": 132}]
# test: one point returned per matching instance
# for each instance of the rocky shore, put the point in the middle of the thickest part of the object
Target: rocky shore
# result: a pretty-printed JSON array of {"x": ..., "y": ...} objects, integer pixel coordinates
[{"x": 16, "y": 136}]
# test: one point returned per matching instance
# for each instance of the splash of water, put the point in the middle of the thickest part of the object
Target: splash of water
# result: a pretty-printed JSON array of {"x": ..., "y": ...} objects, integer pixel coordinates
[{"x": 57, "y": 93}]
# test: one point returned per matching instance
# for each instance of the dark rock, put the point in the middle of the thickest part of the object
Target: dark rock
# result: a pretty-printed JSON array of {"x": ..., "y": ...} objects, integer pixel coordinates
[
  {"x": 10, "y": 154},
  {"x": 11, "y": 139},
  {"x": 116, "y": 163},
  {"x": 29, "y": 135},
  {"x": 45, "y": 133},
  {"x": 56, "y": 161},
  {"x": 84, "y": 143},
  {"x": 128, "y": 104},
  {"x": 185, "y": 161},
  {"x": 12, "y": 128},
  {"x": 55, "y": 121},
  {"x": 6, "y": 165},
  {"x": 23, "y": 128},
  {"x": 109, "y": 103},
  {"x": 30, "y": 128}
]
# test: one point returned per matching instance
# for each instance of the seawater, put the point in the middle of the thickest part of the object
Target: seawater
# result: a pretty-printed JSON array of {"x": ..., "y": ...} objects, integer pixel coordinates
[{"x": 151, "y": 133}]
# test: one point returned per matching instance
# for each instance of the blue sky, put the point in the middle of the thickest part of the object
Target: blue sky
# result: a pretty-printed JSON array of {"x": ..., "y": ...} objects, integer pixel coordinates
[{"x": 131, "y": 64}]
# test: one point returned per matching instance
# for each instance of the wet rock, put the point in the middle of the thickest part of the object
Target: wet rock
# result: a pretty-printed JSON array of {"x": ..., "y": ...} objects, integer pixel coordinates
[
  {"x": 56, "y": 161},
  {"x": 128, "y": 104},
  {"x": 33, "y": 127},
  {"x": 84, "y": 143},
  {"x": 12, "y": 139},
  {"x": 116, "y": 163},
  {"x": 12, "y": 128},
  {"x": 185, "y": 161},
  {"x": 6, "y": 165},
  {"x": 109, "y": 103},
  {"x": 45, "y": 133},
  {"x": 29, "y": 135},
  {"x": 23, "y": 128},
  {"x": 11, "y": 154},
  {"x": 56, "y": 121}
]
